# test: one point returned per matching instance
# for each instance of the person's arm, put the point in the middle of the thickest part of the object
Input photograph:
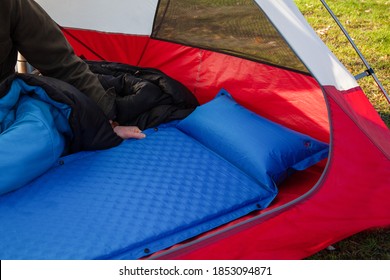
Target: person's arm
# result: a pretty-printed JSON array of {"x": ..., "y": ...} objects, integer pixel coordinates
[{"x": 38, "y": 38}]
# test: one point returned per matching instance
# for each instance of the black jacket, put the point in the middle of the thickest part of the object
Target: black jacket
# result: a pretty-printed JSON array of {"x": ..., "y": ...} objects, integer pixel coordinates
[{"x": 145, "y": 97}]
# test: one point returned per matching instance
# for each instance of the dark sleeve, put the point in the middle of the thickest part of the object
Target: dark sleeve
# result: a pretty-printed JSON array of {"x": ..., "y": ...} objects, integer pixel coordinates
[{"x": 38, "y": 38}]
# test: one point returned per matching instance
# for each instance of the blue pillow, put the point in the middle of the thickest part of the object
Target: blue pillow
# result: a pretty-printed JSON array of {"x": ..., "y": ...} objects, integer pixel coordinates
[{"x": 265, "y": 150}]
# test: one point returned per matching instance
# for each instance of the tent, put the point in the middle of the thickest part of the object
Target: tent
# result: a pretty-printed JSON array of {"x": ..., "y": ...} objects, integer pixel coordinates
[{"x": 267, "y": 57}]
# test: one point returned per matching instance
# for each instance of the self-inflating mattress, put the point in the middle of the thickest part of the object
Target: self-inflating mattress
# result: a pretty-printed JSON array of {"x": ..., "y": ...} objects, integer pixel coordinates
[{"x": 126, "y": 202}]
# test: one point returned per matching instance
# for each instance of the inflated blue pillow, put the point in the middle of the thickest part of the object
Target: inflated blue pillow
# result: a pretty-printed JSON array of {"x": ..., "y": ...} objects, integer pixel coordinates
[{"x": 265, "y": 150}]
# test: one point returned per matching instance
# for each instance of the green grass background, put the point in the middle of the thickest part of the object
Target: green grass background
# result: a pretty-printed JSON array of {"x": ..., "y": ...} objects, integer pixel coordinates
[{"x": 368, "y": 23}]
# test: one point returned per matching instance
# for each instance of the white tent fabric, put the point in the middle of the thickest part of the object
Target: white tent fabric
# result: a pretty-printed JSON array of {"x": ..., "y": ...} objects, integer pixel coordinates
[{"x": 114, "y": 16}]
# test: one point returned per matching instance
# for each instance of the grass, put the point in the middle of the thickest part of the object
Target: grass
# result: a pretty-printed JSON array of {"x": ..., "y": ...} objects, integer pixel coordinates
[
  {"x": 367, "y": 22},
  {"x": 368, "y": 245}
]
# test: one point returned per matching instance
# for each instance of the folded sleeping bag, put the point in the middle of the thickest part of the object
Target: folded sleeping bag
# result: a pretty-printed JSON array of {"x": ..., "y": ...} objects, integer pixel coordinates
[
  {"x": 142, "y": 196},
  {"x": 144, "y": 97}
]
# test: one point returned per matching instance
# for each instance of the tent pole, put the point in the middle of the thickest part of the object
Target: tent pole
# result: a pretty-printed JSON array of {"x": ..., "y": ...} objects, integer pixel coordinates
[{"x": 369, "y": 71}]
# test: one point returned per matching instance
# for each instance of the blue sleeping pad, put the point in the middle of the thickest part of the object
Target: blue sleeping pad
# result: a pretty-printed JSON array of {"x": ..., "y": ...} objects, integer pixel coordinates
[{"x": 126, "y": 202}]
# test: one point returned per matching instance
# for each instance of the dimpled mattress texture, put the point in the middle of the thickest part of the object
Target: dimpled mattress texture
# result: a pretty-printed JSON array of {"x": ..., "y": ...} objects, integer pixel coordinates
[{"x": 126, "y": 202}]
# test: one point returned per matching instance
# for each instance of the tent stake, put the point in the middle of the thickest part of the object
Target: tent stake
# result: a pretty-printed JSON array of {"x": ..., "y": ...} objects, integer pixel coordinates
[{"x": 369, "y": 71}]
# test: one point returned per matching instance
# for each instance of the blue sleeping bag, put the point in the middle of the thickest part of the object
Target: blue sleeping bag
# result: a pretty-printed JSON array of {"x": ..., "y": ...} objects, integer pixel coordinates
[
  {"x": 42, "y": 118},
  {"x": 33, "y": 133}
]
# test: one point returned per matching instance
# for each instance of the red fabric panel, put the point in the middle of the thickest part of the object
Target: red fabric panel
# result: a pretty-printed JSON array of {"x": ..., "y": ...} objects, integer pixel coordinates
[
  {"x": 292, "y": 99},
  {"x": 360, "y": 110},
  {"x": 179, "y": 62},
  {"x": 352, "y": 196},
  {"x": 94, "y": 45}
]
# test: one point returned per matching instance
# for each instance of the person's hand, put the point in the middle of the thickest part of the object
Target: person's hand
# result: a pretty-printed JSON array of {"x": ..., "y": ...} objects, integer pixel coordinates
[{"x": 127, "y": 132}]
